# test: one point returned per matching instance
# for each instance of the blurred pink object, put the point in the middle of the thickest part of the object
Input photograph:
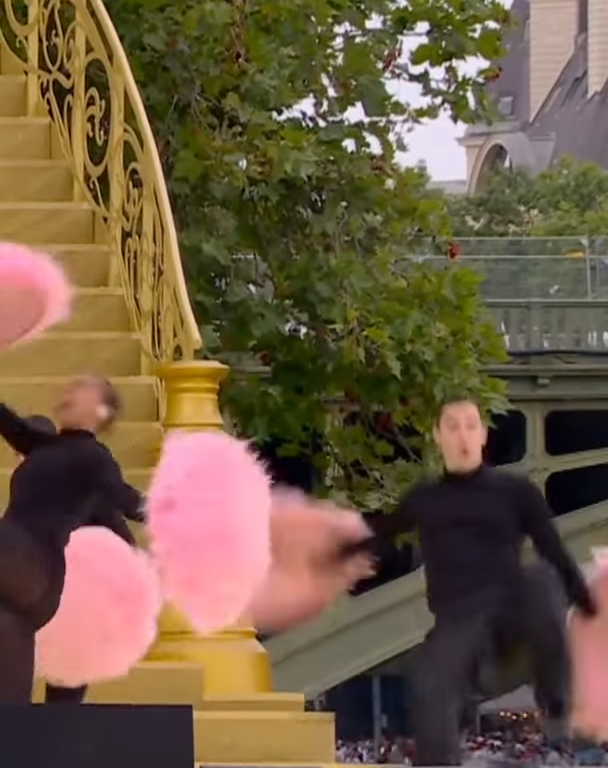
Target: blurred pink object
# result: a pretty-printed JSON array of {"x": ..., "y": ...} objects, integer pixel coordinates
[
  {"x": 34, "y": 294},
  {"x": 108, "y": 614},
  {"x": 209, "y": 525},
  {"x": 589, "y": 647},
  {"x": 306, "y": 577}
]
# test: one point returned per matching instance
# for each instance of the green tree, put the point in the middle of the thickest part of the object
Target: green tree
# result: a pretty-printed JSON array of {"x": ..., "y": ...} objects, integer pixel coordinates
[
  {"x": 278, "y": 123},
  {"x": 562, "y": 212},
  {"x": 504, "y": 206},
  {"x": 568, "y": 199}
]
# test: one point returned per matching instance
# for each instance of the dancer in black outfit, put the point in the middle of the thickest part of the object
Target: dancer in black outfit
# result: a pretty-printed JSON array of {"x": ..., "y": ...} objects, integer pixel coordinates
[
  {"x": 98, "y": 514},
  {"x": 50, "y": 490},
  {"x": 471, "y": 524}
]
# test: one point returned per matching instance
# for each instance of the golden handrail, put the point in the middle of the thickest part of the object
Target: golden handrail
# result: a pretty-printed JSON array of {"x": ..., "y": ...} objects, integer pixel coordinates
[{"x": 76, "y": 67}]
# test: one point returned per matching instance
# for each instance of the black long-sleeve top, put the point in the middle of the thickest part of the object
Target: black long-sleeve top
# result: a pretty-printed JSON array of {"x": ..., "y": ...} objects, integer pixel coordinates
[
  {"x": 52, "y": 489},
  {"x": 471, "y": 530},
  {"x": 100, "y": 514}
]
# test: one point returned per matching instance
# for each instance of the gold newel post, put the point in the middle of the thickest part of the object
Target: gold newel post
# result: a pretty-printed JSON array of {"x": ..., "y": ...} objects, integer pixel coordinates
[{"x": 234, "y": 661}]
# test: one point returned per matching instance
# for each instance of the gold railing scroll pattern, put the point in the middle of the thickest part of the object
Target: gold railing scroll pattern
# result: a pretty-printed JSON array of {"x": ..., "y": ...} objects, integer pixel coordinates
[{"x": 74, "y": 62}]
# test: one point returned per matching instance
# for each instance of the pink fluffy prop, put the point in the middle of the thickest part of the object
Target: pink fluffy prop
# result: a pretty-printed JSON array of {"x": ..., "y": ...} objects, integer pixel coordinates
[
  {"x": 34, "y": 294},
  {"x": 209, "y": 526},
  {"x": 108, "y": 614},
  {"x": 589, "y": 649},
  {"x": 305, "y": 577}
]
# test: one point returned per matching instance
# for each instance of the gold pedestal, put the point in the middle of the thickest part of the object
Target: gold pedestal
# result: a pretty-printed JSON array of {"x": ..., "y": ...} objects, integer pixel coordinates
[
  {"x": 191, "y": 392},
  {"x": 233, "y": 660},
  {"x": 225, "y": 676}
]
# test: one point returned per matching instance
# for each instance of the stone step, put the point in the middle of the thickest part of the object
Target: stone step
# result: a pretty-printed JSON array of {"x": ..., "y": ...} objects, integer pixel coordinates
[
  {"x": 39, "y": 394},
  {"x": 66, "y": 353},
  {"x": 286, "y": 764},
  {"x": 263, "y": 702},
  {"x": 98, "y": 309},
  {"x": 174, "y": 682},
  {"x": 87, "y": 266},
  {"x": 252, "y": 729},
  {"x": 183, "y": 683},
  {"x": 264, "y": 737},
  {"x": 12, "y": 95},
  {"x": 139, "y": 478},
  {"x": 134, "y": 444},
  {"x": 52, "y": 222},
  {"x": 25, "y": 138},
  {"x": 47, "y": 181}
]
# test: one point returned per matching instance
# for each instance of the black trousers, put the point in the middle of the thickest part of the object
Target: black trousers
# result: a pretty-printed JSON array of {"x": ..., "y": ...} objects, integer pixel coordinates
[
  {"x": 31, "y": 582},
  {"x": 57, "y": 695},
  {"x": 449, "y": 660}
]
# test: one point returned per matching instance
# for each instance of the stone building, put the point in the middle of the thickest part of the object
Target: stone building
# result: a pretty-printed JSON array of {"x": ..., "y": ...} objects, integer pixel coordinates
[{"x": 552, "y": 92}]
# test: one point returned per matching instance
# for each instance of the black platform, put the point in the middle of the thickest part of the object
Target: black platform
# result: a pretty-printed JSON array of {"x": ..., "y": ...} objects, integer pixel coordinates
[{"x": 96, "y": 736}]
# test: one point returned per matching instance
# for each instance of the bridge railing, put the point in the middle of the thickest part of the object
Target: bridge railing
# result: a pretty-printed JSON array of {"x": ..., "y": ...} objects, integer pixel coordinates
[
  {"x": 528, "y": 268},
  {"x": 552, "y": 325},
  {"x": 77, "y": 70}
]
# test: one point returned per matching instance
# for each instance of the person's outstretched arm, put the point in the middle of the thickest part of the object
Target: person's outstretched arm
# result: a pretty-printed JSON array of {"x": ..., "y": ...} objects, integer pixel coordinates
[
  {"x": 538, "y": 524},
  {"x": 401, "y": 520},
  {"x": 109, "y": 517},
  {"x": 384, "y": 528},
  {"x": 19, "y": 433},
  {"x": 118, "y": 493}
]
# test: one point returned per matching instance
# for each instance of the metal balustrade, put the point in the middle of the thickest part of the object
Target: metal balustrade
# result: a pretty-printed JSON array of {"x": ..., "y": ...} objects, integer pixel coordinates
[{"x": 552, "y": 325}]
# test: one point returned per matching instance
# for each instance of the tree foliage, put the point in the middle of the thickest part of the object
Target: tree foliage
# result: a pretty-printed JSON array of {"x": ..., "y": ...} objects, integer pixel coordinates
[
  {"x": 278, "y": 123},
  {"x": 562, "y": 212},
  {"x": 569, "y": 199}
]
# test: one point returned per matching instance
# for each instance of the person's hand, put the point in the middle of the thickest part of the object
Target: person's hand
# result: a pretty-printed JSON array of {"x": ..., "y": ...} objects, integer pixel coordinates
[
  {"x": 141, "y": 513},
  {"x": 358, "y": 568},
  {"x": 587, "y": 605}
]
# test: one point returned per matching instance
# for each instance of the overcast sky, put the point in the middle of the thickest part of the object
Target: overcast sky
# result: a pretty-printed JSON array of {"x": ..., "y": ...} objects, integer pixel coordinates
[{"x": 435, "y": 144}]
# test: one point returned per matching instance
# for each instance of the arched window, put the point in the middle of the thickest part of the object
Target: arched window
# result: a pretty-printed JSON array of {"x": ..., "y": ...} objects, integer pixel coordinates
[{"x": 496, "y": 157}]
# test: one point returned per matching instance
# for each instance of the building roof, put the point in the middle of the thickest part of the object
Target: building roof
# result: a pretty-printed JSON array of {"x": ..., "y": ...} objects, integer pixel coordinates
[
  {"x": 514, "y": 80},
  {"x": 578, "y": 123},
  {"x": 568, "y": 122},
  {"x": 520, "y": 700}
]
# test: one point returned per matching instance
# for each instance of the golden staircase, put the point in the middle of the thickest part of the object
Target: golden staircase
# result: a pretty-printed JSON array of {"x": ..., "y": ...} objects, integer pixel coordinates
[{"x": 80, "y": 177}]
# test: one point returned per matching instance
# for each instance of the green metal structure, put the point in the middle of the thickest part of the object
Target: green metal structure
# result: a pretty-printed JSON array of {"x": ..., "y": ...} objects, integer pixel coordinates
[{"x": 556, "y": 333}]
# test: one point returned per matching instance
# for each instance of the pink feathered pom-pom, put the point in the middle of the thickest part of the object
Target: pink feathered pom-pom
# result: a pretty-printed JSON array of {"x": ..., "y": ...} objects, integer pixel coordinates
[
  {"x": 306, "y": 577},
  {"x": 34, "y": 294},
  {"x": 208, "y": 521},
  {"x": 589, "y": 646},
  {"x": 107, "y": 618}
]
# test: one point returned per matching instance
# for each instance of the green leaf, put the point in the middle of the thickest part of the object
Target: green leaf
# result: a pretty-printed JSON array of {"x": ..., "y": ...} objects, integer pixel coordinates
[{"x": 277, "y": 123}]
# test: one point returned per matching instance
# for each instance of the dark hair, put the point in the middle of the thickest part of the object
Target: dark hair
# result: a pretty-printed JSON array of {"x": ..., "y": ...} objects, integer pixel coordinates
[
  {"x": 41, "y": 424},
  {"x": 452, "y": 401}
]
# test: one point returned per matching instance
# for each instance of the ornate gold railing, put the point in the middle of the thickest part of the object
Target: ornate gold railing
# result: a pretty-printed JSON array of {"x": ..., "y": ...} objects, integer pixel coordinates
[{"x": 76, "y": 67}]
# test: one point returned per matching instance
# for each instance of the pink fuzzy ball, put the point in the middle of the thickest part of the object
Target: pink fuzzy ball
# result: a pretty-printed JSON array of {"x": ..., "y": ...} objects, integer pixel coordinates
[
  {"x": 209, "y": 526},
  {"x": 108, "y": 614},
  {"x": 589, "y": 651},
  {"x": 34, "y": 294},
  {"x": 305, "y": 577}
]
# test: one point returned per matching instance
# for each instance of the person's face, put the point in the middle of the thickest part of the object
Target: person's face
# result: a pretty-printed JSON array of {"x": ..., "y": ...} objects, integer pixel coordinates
[
  {"x": 461, "y": 436},
  {"x": 80, "y": 406}
]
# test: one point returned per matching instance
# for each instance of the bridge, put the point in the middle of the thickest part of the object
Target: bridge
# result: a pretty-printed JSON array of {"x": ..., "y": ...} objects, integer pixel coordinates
[{"x": 549, "y": 302}]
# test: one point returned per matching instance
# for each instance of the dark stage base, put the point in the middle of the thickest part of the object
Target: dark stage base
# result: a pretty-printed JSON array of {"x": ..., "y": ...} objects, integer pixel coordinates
[{"x": 96, "y": 736}]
